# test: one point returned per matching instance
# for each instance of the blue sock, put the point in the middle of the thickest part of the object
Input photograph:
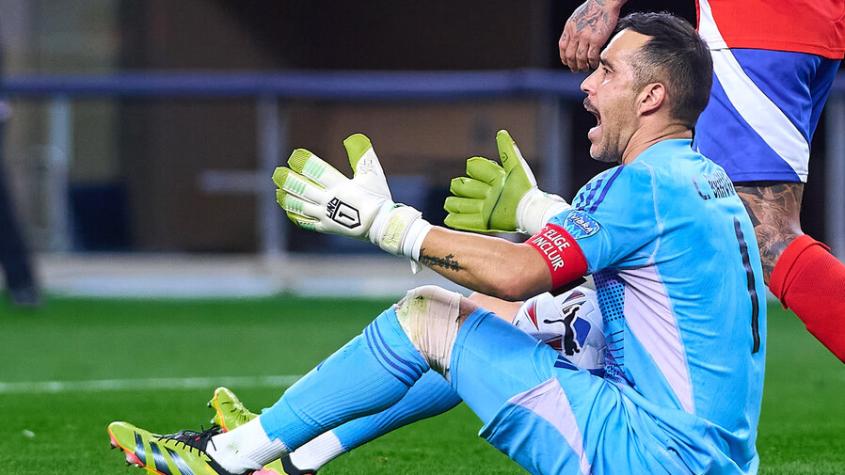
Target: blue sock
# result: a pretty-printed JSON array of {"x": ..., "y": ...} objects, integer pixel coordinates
[
  {"x": 430, "y": 396},
  {"x": 367, "y": 375}
]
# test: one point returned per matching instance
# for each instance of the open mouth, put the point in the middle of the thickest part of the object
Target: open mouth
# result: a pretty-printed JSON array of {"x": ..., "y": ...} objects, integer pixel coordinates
[
  {"x": 594, "y": 134},
  {"x": 592, "y": 110}
]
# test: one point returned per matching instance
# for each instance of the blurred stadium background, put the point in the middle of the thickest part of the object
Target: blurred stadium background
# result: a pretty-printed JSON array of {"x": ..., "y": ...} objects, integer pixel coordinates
[
  {"x": 143, "y": 134},
  {"x": 140, "y": 143}
]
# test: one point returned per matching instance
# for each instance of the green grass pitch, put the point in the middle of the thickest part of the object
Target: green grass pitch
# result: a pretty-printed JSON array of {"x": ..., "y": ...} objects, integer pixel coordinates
[{"x": 802, "y": 428}]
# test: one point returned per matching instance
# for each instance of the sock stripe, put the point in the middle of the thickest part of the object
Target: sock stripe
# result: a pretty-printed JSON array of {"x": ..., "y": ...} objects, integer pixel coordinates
[
  {"x": 400, "y": 373},
  {"x": 377, "y": 343},
  {"x": 415, "y": 371},
  {"x": 380, "y": 357}
]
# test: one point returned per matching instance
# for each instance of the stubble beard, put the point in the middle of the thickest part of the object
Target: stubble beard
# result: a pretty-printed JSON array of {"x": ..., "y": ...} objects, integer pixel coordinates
[{"x": 604, "y": 153}]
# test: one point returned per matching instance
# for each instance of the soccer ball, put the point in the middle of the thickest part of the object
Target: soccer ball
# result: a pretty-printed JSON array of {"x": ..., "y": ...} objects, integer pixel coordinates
[{"x": 571, "y": 323}]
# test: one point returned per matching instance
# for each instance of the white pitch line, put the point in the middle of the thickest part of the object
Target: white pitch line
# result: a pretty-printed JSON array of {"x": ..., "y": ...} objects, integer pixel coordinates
[{"x": 102, "y": 385}]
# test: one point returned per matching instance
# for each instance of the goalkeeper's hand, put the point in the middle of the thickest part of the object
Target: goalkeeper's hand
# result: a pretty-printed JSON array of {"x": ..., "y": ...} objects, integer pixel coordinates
[
  {"x": 500, "y": 198},
  {"x": 317, "y": 197}
]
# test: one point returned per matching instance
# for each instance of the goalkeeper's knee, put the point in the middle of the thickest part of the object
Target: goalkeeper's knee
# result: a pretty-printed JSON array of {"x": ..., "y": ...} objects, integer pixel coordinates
[{"x": 431, "y": 317}]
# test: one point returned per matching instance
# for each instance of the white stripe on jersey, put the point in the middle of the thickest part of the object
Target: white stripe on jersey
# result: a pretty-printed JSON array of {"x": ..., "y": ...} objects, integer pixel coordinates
[
  {"x": 649, "y": 316},
  {"x": 549, "y": 401},
  {"x": 707, "y": 28},
  {"x": 766, "y": 118}
]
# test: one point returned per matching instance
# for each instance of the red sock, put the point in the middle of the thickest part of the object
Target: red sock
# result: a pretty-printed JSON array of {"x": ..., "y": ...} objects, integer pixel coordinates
[{"x": 811, "y": 281}]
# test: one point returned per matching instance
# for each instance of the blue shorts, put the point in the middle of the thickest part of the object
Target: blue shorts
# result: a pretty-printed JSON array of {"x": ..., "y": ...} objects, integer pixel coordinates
[
  {"x": 551, "y": 417},
  {"x": 764, "y": 108}
]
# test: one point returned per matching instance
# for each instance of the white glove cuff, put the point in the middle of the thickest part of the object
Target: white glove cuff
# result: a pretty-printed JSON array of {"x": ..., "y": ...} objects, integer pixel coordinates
[
  {"x": 414, "y": 239},
  {"x": 397, "y": 228},
  {"x": 536, "y": 208}
]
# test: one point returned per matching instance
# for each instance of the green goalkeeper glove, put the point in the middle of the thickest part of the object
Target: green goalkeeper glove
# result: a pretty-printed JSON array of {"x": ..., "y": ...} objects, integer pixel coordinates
[
  {"x": 500, "y": 198},
  {"x": 317, "y": 197}
]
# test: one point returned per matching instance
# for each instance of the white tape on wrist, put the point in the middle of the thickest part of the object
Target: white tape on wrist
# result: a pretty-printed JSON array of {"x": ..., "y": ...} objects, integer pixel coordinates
[
  {"x": 380, "y": 221},
  {"x": 396, "y": 229},
  {"x": 414, "y": 239},
  {"x": 413, "y": 243},
  {"x": 536, "y": 208}
]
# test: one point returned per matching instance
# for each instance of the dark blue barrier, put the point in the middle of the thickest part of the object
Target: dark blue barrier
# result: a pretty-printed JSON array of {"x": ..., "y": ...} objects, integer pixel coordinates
[
  {"x": 309, "y": 85},
  {"x": 334, "y": 85}
]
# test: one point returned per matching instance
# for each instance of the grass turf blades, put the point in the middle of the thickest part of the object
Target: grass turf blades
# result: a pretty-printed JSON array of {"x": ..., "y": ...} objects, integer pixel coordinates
[{"x": 802, "y": 430}]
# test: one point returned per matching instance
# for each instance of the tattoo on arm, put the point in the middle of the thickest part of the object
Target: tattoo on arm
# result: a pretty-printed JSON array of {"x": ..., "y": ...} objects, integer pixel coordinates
[
  {"x": 775, "y": 213},
  {"x": 590, "y": 14},
  {"x": 448, "y": 262}
]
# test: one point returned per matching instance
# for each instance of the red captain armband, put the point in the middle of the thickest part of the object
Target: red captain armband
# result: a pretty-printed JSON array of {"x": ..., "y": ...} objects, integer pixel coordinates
[{"x": 562, "y": 254}]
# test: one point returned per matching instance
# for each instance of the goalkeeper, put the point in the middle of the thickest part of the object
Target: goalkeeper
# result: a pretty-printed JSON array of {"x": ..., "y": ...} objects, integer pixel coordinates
[
  {"x": 667, "y": 241},
  {"x": 486, "y": 200}
]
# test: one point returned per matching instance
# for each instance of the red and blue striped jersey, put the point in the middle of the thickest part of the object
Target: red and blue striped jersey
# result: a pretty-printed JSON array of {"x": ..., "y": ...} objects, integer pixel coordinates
[{"x": 803, "y": 26}]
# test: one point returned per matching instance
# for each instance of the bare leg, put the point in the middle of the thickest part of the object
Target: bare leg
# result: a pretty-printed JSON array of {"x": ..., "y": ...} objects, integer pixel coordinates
[
  {"x": 775, "y": 210},
  {"x": 799, "y": 270},
  {"x": 504, "y": 309}
]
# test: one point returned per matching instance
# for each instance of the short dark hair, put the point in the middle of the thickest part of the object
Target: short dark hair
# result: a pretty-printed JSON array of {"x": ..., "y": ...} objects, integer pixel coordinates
[{"x": 675, "y": 55}]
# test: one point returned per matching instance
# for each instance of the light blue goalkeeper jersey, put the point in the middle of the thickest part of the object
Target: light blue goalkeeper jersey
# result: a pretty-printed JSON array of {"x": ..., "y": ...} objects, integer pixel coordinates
[{"x": 679, "y": 281}]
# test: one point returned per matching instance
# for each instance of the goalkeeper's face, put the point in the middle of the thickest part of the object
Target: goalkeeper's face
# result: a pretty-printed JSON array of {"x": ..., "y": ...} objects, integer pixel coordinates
[{"x": 612, "y": 96}]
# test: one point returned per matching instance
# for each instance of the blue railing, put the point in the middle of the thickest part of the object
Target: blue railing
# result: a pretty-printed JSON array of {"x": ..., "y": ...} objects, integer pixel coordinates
[{"x": 335, "y": 85}]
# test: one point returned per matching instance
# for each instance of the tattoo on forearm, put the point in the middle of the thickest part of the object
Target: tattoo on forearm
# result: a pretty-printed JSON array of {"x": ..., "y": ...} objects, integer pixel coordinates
[
  {"x": 775, "y": 213},
  {"x": 447, "y": 262},
  {"x": 592, "y": 14}
]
